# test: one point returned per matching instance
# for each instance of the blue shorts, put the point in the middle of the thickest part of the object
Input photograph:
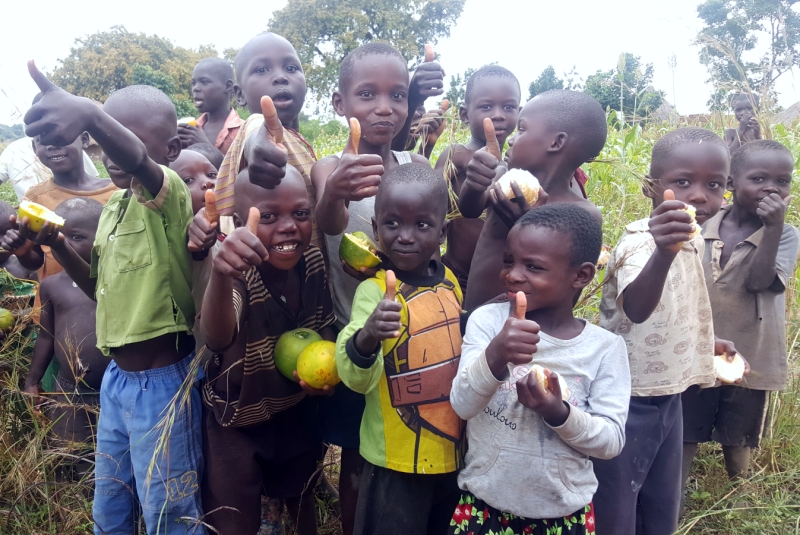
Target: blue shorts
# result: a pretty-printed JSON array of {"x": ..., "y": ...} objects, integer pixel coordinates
[{"x": 149, "y": 451}]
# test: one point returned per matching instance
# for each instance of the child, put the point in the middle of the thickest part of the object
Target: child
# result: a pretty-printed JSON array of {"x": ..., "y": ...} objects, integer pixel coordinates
[
  {"x": 8, "y": 261},
  {"x": 403, "y": 353},
  {"x": 492, "y": 92},
  {"x": 148, "y": 437},
  {"x": 527, "y": 468},
  {"x": 373, "y": 88},
  {"x": 212, "y": 90},
  {"x": 198, "y": 173},
  {"x": 70, "y": 180},
  {"x": 257, "y": 427},
  {"x": 557, "y": 132},
  {"x": 209, "y": 151},
  {"x": 655, "y": 298},
  {"x": 744, "y": 107},
  {"x": 68, "y": 332},
  {"x": 749, "y": 258}
]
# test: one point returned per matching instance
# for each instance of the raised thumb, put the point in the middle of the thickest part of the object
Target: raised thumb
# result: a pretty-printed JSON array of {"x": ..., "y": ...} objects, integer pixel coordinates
[
  {"x": 669, "y": 195},
  {"x": 444, "y": 105},
  {"x": 253, "y": 218},
  {"x": 521, "y": 306},
  {"x": 274, "y": 126},
  {"x": 391, "y": 285},
  {"x": 429, "y": 54},
  {"x": 212, "y": 215},
  {"x": 492, "y": 145},
  {"x": 355, "y": 137}
]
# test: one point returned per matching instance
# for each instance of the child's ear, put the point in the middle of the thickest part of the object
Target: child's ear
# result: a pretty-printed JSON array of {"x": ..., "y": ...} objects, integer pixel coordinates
[
  {"x": 85, "y": 140},
  {"x": 229, "y": 85},
  {"x": 584, "y": 275},
  {"x": 558, "y": 143},
  {"x": 173, "y": 149},
  {"x": 463, "y": 115},
  {"x": 648, "y": 187},
  {"x": 337, "y": 103},
  {"x": 443, "y": 233},
  {"x": 375, "y": 232},
  {"x": 237, "y": 221},
  {"x": 239, "y": 96},
  {"x": 729, "y": 184}
]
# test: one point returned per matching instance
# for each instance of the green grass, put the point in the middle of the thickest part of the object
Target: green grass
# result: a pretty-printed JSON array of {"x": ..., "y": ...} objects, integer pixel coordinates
[{"x": 766, "y": 503}]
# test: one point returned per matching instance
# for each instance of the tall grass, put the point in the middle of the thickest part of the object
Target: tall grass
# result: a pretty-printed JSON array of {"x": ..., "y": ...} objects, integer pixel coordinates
[{"x": 31, "y": 502}]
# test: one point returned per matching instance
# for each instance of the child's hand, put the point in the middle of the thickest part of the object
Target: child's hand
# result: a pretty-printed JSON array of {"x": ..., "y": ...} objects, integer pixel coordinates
[
  {"x": 548, "y": 403},
  {"x": 49, "y": 235},
  {"x": 772, "y": 210},
  {"x": 357, "y": 176},
  {"x": 510, "y": 210},
  {"x": 360, "y": 276},
  {"x": 383, "y": 323},
  {"x": 35, "y": 392},
  {"x": 202, "y": 231},
  {"x": 12, "y": 241},
  {"x": 58, "y": 118},
  {"x": 242, "y": 249},
  {"x": 481, "y": 170},
  {"x": 428, "y": 79},
  {"x": 726, "y": 347},
  {"x": 265, "y": 154},
  {"x": 310, "y": 390},
  {"x": 516, "y": 342},
  {"x": 191, "y": 134},
  {"x": 671, "y": 225}
]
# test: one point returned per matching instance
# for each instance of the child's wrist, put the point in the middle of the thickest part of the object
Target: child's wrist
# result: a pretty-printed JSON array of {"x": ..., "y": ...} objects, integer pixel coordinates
[
  {"x": 365, "y": 343},
  {"x": 558, "y": 416}
]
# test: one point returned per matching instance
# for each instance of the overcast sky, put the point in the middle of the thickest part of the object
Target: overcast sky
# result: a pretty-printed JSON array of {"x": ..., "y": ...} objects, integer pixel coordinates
[{"x": 522, "y": 35}]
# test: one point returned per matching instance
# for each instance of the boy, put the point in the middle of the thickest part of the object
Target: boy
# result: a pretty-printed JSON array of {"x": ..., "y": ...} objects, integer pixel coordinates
[
  {"x": 257, "y": 427},
  {"x": 744, "y": 107},
  {"x": 655, "y": 298},
  {"x": 209, "y": 151},
  {"x": 749, "y": 258},
  {"x": 140, "y": 275},
  {"x": 212, "y": 90},
  {"x": 541, "y": 438},
  {"x": 557, "y": 132},
  {"x": 492, "y": 92},
  {"x": 402, "y": 352},
  {"x": 68, "y": 332},
  {"x": 198, "y": 173},
  {"x": 8, "y": 261}
]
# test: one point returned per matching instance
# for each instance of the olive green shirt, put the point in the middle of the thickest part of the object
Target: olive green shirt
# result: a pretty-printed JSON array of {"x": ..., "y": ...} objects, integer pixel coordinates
[{"x": 142, "y": 265}]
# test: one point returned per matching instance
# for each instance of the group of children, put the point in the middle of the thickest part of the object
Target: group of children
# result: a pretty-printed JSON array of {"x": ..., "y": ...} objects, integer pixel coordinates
[{"x": 442, "y": 422}]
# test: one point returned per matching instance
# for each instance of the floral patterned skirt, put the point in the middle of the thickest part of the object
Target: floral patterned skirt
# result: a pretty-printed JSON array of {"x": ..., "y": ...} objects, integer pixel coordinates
[{"x": 474, "y": 517}]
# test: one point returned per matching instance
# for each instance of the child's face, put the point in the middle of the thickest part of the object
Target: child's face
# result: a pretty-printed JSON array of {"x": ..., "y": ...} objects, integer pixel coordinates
[
  {"x": 536, "y": 262},
  {"x": 79, "y": 232},
  {"x": 410, "y": 226},
  {"x": 697, "y": 175},
  {"x": 285, "y": 225},
  {"x": 762, "y": 174},
  {"x": 270, "y": 67},
  {"x": 197, "y": 173},
  {"x": 528, "y": 148},
  {"x": 209, "y": 90},
  {"x": 496, "y": 97},
  {"x": 376, "y": 95},
  {"x": 741, "y": 108},
  {"x": 62, "y": 159},
  {"x": 161, "y": 140}
]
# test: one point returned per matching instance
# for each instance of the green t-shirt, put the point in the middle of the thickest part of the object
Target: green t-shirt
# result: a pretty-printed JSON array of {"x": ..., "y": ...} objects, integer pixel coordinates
[{"x": 142, "y": 265}]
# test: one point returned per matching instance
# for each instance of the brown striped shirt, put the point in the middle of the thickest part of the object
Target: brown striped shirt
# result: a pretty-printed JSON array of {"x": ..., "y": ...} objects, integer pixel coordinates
[{"x": 243, "y": 387}]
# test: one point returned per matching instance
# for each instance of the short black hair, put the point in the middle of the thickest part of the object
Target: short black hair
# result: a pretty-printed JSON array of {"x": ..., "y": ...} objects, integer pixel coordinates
[
  {"x": 580, "y": 116},
  {"x": 211, "y": 152},
  {"x": 421, "y": 175},
  {"x": 740, "y": 156},
  {"x": 662, "y": 150},
  {"x": 151, "y": 101},
  {"x": 368, "y": 49},
  {"x": 88, "y": 208},
  {"x": 752, "y": 98},
  {"x": 585, "y": 232},
  {"x": 486, "y": 72},
  {"x": 221, "y": 67}
]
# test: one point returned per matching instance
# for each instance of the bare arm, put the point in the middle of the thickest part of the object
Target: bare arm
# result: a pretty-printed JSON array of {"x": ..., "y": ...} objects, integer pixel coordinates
[
  {"x": 44, "y": 349},
  {"x": 218, "y": 317},
  {"x": 331, "y": 211},
  {"x": 762, "y": 271},
  {"x": 75, "y": 266}
]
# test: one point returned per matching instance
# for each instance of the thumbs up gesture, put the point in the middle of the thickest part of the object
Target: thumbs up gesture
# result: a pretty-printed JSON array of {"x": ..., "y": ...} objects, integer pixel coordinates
[
  {"x": 242, "y": 249},
  {"x": 383, "y": 323},
  {"x": 357, "y": 176},
  {"x": 428, "y": 80},
  {"x": 671, "y": 225},
  {"x": 59, "y": 117},
  {"x": 203, "y": 228},
  {"x": 516, "y": 342},
  {"x": 264, "y": 151}
]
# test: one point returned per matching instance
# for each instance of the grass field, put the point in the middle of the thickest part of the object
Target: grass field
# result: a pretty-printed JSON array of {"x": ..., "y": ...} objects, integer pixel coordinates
[{"x": 766, "y": 503}]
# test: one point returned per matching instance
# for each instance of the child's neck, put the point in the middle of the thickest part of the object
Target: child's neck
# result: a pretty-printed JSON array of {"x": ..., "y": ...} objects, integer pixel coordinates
[
  {"x": 558, "y": 322},
  {"x": 555, "y": 181},
  {"x": 384, "y": 151},
  {"x": 219, "y": 115},
  {"x": 743, "y": 219},
  {"x": 477, "y": 143},
  {"x": 77, "y": 179}
]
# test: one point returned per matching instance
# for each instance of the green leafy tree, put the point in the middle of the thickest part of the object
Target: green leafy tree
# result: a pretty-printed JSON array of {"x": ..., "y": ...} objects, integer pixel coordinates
[
  {"x": 458, "y": 87},
  {"x": 145, "y": 75},
  {"x": 11, "y": 133},
  {"x": 626, "y": 88},
  {"x": 546, "y": 81},
  {"x": 325, "y": 31},
  {"x": 733, "y": 39},
  {"x": 105, "y": 61}
]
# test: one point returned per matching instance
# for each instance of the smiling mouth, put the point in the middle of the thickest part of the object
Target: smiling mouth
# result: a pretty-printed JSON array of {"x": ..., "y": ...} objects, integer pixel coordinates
[
  {"x": 287, "y": 247},
  {"x": 384, "y": 124},
  {"x": 56, "y": 158}
]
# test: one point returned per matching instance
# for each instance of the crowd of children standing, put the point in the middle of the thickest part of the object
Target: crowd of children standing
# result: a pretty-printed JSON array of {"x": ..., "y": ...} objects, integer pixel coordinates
[{"x": 167, "y": 319}]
